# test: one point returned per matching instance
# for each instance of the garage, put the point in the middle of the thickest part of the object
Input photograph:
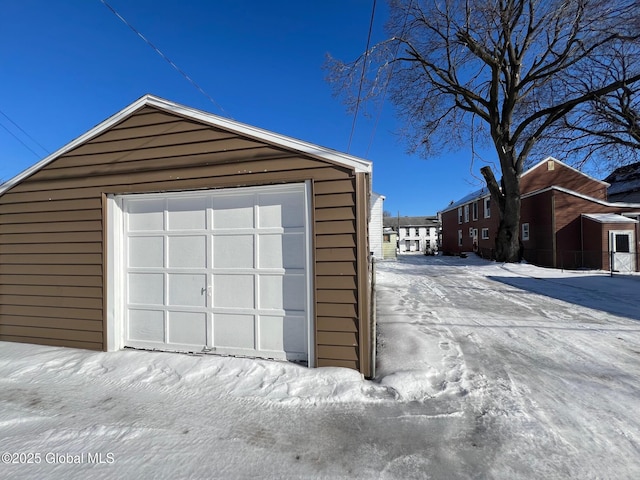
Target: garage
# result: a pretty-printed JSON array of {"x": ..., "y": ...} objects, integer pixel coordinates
[
  {"x": 169, "y": 228},
  {"x": 222, "y": 271}
]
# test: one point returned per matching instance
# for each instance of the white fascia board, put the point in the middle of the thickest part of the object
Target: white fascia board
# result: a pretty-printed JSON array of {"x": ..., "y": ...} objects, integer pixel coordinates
[
  {"x": 585, "y": 197},
  {"x": 609, "y": 218},
  {"x": 94, "y": 132},
  {"x": 356, "y": 163}
]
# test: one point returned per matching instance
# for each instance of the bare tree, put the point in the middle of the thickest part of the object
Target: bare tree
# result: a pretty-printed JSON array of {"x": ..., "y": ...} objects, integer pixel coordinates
[
  {"x": 606, "y": 129},
  {"x": 498, "y": 70}
]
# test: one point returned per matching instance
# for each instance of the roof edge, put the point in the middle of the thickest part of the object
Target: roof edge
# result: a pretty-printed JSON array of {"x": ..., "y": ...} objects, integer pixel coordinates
[
  {"x": 88, "y": 135},
  {"x": 542, "y": 162},
  {"x": 325, "y": 153},
  {"x": 359, "y": 165},
  {"x": 583, "y": 196}
]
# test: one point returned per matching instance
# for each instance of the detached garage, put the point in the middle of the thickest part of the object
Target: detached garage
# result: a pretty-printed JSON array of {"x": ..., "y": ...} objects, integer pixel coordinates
[{"x": 168, "y": 228}]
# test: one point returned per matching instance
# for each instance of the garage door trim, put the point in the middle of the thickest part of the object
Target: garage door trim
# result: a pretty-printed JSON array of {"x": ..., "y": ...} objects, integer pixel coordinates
[{"x": 116, "y": 309}]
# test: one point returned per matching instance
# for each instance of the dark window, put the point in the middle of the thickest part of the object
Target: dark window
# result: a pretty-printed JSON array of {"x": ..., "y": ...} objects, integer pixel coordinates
[{"x": 622, "y": 243}]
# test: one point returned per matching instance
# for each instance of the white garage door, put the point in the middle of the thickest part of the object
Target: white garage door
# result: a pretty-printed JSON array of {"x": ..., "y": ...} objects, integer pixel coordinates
[{"x": 224, "y": 271}]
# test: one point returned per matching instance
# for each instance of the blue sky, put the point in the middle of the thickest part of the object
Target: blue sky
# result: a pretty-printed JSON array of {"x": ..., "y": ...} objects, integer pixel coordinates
[{"x": 68, "y": 65}]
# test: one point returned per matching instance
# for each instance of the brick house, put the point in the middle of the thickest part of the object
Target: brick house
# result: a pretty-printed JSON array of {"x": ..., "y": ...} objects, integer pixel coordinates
[{"x": 566, "y": 221}]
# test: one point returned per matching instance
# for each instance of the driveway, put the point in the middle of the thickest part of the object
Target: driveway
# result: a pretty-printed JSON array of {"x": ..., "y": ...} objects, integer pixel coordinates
[
  {"x": 485, "y": 371},
  {"x": 549, "y": 360}
]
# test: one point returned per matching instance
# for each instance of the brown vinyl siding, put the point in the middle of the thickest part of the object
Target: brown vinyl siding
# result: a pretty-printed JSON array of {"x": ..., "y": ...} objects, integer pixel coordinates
[{"x": 52, "y": 264}]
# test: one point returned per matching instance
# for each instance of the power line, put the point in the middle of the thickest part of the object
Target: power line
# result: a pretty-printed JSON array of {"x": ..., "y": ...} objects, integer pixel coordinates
[
  {"x": 164, "y": 57},
  {"x": 364, "y": 67},
  {"x": 23, "y": 131},
  {"x": 17, "y": 138},
  {"x": 388, "y": 80}
]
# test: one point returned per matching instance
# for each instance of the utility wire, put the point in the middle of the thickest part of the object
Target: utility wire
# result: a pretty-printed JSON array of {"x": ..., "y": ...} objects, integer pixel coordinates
[
  {"x": 22, "y": 130},
  {"x": 388, "y": 80},
  {"x": 364, "y": 68},
  {"x": 18, "y": 138},
  {"x": 167, "y": 59}
]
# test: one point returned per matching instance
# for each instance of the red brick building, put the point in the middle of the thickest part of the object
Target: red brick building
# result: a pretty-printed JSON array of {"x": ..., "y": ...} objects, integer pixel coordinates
[{"x": 566, "y": 221}]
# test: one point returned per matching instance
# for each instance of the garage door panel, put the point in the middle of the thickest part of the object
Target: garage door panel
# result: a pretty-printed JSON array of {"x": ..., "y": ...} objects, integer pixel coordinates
[
  {"x": 187, "y": 328},
  {"x": 282, "y": 292},
  {"x": 187, "y": 213},
  {"x": 233, "y": 212},
  {"x": 233, "y": 251},
  {"x": 294, "y": 292},
  {"x": 224, "y": 271},
  {"x": 146, "y": 288},
  {"x": 233, "y": 291},
  {"x": 146, "y": 252},
  {"x": 187, "y": 290},
  {"x": 280, "y": 210},
  {"x": 284, "y": 334},
  {"x": 234, "y": 331},
  {"x": 187, "y": 251},
  {"x": 146, "y": 325},
  {"x": 145, "y": 215},
  {"x": 271, "y": 291},
  {"x": 281, "y": 250}
]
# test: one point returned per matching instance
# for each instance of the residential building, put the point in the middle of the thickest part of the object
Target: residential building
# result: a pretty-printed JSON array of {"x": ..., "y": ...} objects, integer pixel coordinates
[
  {"x": 169, "y": 228},
  {"x": 566, "y": 220},
  {"x": 415, "y": 234},
  {"x": 624, "y": 184}
]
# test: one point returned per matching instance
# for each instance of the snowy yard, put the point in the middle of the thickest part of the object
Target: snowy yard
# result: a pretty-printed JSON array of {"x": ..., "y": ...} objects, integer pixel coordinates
[{"x": 484, "y": 371}]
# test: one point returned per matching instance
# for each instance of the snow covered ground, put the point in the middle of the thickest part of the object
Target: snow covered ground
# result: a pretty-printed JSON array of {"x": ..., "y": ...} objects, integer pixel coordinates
[{"x": 484, "y": 371}]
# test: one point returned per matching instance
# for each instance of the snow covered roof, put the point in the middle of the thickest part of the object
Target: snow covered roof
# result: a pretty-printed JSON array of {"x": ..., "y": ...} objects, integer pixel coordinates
[
  {"x": 624, "y": 179},
  {"x": 608, "y": 218},
  {"x": 483, "y": 192},
  {"x": 290, "y": 143}
]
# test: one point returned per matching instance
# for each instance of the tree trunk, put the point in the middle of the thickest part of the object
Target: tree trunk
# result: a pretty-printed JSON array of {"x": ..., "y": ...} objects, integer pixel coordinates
[{"x": 507, "y": 198}]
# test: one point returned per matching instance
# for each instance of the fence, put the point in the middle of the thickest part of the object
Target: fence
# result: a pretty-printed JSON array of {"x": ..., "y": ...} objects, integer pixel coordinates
[{"x": 577, "y": 259}]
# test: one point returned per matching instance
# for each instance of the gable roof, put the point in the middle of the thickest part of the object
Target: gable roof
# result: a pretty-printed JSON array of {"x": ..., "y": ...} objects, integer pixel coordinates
[
  {"x": 543, "y": 162},
  {"x": 484, "y": 191},
  {"x": 624, "y": 179},
  {"x": 272, "y": 138}
]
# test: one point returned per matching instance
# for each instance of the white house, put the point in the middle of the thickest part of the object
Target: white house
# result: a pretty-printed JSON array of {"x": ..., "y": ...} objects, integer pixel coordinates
[{"x": 415, "y": 234}]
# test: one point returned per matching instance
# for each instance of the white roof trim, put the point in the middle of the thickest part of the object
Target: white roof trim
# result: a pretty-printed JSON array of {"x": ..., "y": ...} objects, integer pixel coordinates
[
  {"x": 323, "y": 153},
  {"x": 542, "y": 162},
  {"x": 585, "y": 197},
  {"x": 480, "y": 194},
  {"x": 608, "y": 218}
]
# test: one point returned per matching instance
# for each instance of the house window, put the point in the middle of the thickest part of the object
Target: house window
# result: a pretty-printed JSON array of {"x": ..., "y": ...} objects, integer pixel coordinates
[
  {"x": 459, "y": 214},
  {"x": 459, "y": 238},
  {"x": 485, "y": 234},
  {"x": 475, "y": 210},
  {"x": 471, "y": 231},
  {"x": 487, "y": 207},
  {"x": 525, "y": 231},
  {"x": 406, "y": 232},
  {"x": 466, "y": 213},
  {"x": 386, "y": 237},
  {"x": 622, "y": 243}
]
